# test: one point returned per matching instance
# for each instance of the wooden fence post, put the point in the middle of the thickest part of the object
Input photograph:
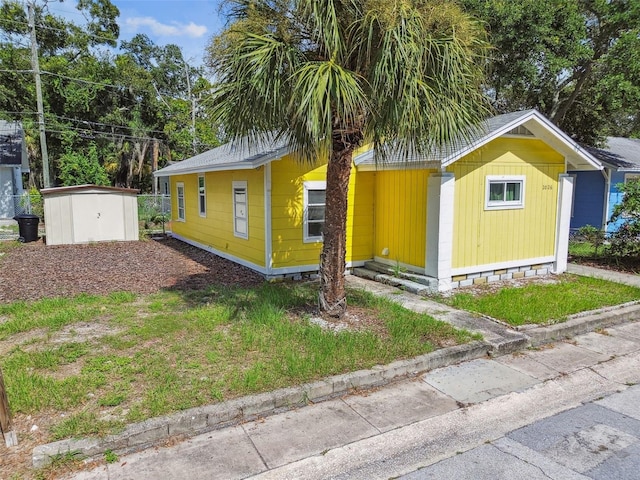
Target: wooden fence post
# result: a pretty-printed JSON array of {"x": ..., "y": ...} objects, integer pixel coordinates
[{"x": 10, "y": 438}]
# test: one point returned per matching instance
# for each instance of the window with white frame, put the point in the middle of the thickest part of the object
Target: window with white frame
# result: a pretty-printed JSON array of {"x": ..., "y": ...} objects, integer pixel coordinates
[
  {"x": 629, "y": 177},
  {"x": 504, "y": 192},
  {"x": 314, "y": 210},
  {"x": 202, "y": 196},
  {"x": 180, "y": 199},
  {"x": 240, "y": 204}
]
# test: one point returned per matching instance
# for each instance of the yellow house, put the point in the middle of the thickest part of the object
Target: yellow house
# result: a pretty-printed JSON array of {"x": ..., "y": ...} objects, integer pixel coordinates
[{"x": 494, "y": 207}]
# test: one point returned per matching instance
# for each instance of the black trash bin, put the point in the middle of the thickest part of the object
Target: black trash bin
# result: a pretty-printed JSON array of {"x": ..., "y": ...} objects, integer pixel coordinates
[{"x": 28, "y": 226}]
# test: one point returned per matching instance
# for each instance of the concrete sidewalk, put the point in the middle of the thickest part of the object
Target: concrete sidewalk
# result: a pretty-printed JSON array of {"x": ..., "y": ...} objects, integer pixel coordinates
[
  {"x": 611, "y": 275},
  {"x": 419, "y": 421},
  {"x": 416, "y": 423}
]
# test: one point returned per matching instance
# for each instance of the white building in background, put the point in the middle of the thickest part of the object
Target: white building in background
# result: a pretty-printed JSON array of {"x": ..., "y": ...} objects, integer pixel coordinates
[{"x": 13, "y": 163}]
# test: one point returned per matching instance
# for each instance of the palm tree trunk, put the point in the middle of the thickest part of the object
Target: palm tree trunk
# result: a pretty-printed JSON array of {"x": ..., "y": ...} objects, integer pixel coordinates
[{"x": 333, "y": 300}]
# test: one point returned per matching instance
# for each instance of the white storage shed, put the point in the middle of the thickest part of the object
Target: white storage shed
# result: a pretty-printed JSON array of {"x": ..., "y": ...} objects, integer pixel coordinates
[{"x": 89, "y": 213}]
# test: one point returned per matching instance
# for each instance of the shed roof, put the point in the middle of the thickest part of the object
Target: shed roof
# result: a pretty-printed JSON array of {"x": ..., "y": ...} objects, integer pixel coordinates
[
  {"x": 88, "y": 189},
  {"x": 622, "y": 154}
]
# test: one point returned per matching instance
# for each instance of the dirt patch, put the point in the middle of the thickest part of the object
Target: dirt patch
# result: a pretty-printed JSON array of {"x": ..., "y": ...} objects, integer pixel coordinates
[
  {"x": 355, "y": 319},
  {"x": 493, "y": 287},
  {"x": 33, "y": 270}
]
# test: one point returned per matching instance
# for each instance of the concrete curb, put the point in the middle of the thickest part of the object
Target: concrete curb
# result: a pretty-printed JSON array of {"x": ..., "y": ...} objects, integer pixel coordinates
[
  {"x": 211, "y": 417},
  {"x": 582, "y": 323}
]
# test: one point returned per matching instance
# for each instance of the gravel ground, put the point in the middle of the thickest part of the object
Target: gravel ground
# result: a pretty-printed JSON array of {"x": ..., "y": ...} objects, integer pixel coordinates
[{"x": 33, "y": 270}]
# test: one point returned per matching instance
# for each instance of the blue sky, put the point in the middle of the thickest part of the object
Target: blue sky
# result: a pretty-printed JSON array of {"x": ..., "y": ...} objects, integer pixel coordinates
[{"x": 187, "y": 23}]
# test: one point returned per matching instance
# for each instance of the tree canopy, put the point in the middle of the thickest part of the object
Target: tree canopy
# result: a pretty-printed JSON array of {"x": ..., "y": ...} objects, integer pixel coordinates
[
  {"x": 133, "y": 104},
  {"x": 577, "y": 61}
]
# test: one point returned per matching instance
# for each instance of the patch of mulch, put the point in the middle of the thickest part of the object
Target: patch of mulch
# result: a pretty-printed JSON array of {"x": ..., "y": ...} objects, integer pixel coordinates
[{"x": 33, "y": 270}]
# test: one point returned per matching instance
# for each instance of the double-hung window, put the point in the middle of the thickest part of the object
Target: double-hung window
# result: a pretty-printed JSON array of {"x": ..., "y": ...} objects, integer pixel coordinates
[
  {"x": 202, "y": 197},
  {"x": 314, "y": 208},
  {"x": 240, "y": 204},
  {"x": 180, "y": 200},
  {"x": 504, "y": 192}
]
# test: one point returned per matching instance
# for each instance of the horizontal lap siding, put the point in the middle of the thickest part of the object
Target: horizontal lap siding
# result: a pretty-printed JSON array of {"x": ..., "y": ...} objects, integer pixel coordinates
[
  {"x": 401, "y": 215},
  {"x": 216, "y": 229},
  {"x": 287, "y": 204},
  {"x": 484, "y": 237}
]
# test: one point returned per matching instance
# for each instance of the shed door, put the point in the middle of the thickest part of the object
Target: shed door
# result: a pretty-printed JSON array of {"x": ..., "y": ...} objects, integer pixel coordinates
[{"x": 98, "y": 218}]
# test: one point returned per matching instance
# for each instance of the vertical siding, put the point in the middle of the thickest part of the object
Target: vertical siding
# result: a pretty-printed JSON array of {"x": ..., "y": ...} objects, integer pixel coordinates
[
  {"x": 401, "y": 215},
  {"x": 287, "y": 204},
  {"x": 484, "y": 237},
  {"x": 216, "y": 229},
  {"x": 588, "y": 199}
]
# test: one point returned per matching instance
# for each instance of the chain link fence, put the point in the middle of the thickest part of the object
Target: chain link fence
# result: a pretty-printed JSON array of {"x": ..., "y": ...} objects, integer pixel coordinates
[{"x": 154, "y": 213}]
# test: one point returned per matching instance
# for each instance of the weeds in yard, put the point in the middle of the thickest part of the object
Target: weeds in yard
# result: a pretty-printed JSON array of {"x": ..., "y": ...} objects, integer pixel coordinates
[
  {"x": 173, "y": 351},
  {"x": 546, "y": 303}
]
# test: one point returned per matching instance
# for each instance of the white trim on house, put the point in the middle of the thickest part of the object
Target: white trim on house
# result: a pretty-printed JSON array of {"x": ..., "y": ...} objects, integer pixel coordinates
[
  {"x": 565, "y": 195},
  {"x": 220, "y": 253},
  {"x": 202, "y": 196},
  {"x": 544, "y": 130},
  {"x": 311, "y": 185},
  {"x": 439, "y": 244},
  {"x": 183, "y": 217},
  {"x": 631, "y": 176},
  {"x": 501, "y": 265},
  {"x": 504, "y": 204},
  {"x": 268, "y": 234},
  {"x": 274, "y": 272},
  {"x": 240, "y": 209}
]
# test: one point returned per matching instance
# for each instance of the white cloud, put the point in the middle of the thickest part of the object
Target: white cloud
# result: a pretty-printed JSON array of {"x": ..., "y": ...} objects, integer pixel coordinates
[{"x": 175, "y": 29}]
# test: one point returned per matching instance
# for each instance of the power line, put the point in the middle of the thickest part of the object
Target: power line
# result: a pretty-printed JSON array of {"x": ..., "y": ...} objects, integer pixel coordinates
[{"x": 47, "y": 27}]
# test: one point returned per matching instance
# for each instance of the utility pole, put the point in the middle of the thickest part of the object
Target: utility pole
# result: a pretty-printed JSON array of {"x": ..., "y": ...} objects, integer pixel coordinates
[
  {"x": 10, "y": 438},
  {"x": 36, "y": 74},
  {"x": 194, "y": 143},
  {"x": 154, "y": 165}
]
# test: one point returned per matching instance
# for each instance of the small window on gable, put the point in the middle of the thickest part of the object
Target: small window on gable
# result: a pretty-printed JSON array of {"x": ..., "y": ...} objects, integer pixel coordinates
[
  {"x": 240, "y": 206},
  {"x": 180, "y": 200},
  {"x": 202, "y": 196},
  {"x": 504, "y": 192},
  {"x": 314, "y": 209}
]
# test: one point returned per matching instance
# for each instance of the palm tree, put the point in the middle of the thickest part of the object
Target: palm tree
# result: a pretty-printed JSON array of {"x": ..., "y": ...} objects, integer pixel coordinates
[{"x": 328, "y": 76}]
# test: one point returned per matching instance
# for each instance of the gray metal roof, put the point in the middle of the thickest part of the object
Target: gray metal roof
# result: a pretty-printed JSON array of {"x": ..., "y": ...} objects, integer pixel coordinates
[
  {"x": 622, "y": 154},
  {"x": 230, "y": 156},
  {"x": 10, "y": 143},
  {"x": 245, "y": 155},
  {"x": 491, "y": 129}
]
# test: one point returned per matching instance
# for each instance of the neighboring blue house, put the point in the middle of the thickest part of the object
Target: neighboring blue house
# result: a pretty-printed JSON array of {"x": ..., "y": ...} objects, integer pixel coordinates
[{"x": 596, "y": 193}]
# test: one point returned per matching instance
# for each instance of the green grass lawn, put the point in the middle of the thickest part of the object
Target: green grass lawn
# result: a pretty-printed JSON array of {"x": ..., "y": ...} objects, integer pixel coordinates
[
  {"x": 107, "y": 361},
  {"x": 545, "y": 303}
]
